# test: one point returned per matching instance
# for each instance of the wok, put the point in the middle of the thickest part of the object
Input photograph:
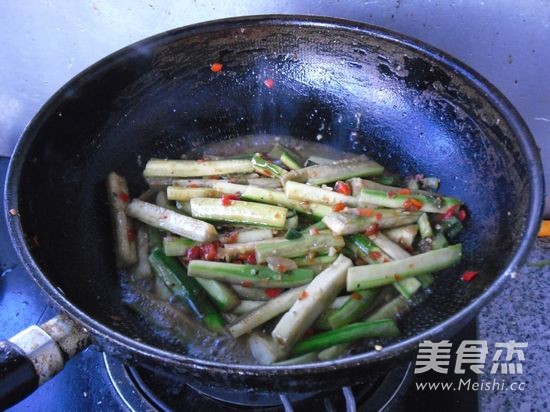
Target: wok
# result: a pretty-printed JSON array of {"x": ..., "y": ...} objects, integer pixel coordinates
[{"x": 352, "y": 86}]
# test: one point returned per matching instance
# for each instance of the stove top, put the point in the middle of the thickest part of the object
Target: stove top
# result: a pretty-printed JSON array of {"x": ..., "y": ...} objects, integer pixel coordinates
[{"x": 93, "y": 381}]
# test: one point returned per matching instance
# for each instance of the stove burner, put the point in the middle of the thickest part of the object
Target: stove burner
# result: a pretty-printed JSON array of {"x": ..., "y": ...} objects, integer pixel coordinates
[{"x": 142, "y": 390}]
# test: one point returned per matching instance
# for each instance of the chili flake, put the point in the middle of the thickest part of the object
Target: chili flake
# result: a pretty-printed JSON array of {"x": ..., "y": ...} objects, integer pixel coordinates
[
  {"x": 343, "y": 188},
  {"x": 246, "y": 284},
  {"x": 273, "y": 292},
  {"x": 216, "y": 67},
  {"x": 123, "y": 196},
  {"x": 227, "y": 200},
  {"x": 469, "y": 275},
  {"x": 391, "y": 195},
  {"x": 405, "y": 192},
  {"x": 412, "y": 205},
  {"x": 193, "y": 253},
  {"x": 303, "y": 295},
  {"x": 338, "y": 207},
  {"x": 365, "y": 212},
  {"x": 462, "y": 214},
  {"x": 250, "y": 258},
  {"x": 375, "y": 255},
  {"x": 132, "y": 235},
  {"x": 269, "y": 83},
  {"x": 372, "y": 229}
]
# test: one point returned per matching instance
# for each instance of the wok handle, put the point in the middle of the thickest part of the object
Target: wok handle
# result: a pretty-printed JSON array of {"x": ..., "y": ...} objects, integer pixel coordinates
[{"x": 36, "y": 354}]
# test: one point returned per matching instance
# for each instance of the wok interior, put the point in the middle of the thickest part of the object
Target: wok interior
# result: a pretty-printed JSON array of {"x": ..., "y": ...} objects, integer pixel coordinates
[{"x": 343, "y": 87}]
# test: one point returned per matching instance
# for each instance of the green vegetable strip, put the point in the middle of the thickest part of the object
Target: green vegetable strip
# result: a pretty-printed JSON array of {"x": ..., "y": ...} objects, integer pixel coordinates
[
  {"x": 337, "y": 170},
  {"x": 366, "y": 249},
  {"x": 273, "y": 197},
  {"x": 307, "y": 358},
  {"x": 346, "y": 224},
  {"x": 186, "y": 289},
  {"x": 176, "y": 246},
  {"x": 424, "y": 226},
  {"x": 193, "y": 168},
  {"x": 346, "y": 334},
  {"x": 239, "y": 212},
  {"x": 265, "y": 167},
  {"x": 246, "y": 306},
  {"x": 270, "y": 309},
  {"x": 370, "y": 276},
  {"x": 432, "y": 204},
  {"x": 155, "y": 237},
  {"x": 317, "y": 260},
  {"x": 222, "y": 295},
  {"x": 299, "y": 247},
  {"x": 390, "y": 310},
  {"x": 355, "y": 308},
  {"x": 314, "y": 194},
  {"x": 290, "y": 160},
  {"x": 252, "y": 275}
]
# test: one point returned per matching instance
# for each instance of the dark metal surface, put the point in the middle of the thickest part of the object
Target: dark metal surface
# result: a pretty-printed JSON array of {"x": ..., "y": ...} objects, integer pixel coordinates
[
  {"x": 17, "y": 375},
  {"x": 412, "y": 107}
]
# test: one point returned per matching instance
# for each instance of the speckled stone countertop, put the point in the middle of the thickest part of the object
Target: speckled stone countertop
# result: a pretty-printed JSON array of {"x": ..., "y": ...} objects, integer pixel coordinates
[{"x": 521, "y": 313}]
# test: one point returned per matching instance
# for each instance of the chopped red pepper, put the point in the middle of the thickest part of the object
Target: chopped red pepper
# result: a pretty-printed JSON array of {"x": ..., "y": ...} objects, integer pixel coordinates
[
  {"x": 378, "y": 216},
  {"x": 193, "y": 253},
  {"x": 372, "y": 229},
  {"x": 303, "y": 295},
  {"x": 313, "y": 231},
  {"x": 132, "y": 235},
  {"x": 227, "y": 200},
  {"x": 365, "y": 212},
  {"x": 375, "y": 255},
  {"x": 343, "y": 188},
  {"x": 309, "y": 332},
  {"x": 209, "y": 251},
  {"x": 391, "y": 195},
  {"x": 412, "y": 205},
  {"x": 216, "y": 67},
  {"x": 469, "y": 275},
  {"x": 269, "y": 83},
  {"x": 233, "y": 237},
  {"x": 405, "y": 192},
  {"x": 123, "y": 196},
  {"x": 356, "y": 296},
  {"x": 246, "y": 284},
  {"x": 338, "y": 207},
  {"x": 273, "y": 292},
  {"x": 462, "y": 214},
  {"x": 250, "y": 258},
  {"x": 451, "y": 212}
]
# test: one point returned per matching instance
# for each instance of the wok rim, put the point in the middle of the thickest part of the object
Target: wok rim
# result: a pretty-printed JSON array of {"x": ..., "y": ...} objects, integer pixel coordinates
[{"x": 97, "y": 329}]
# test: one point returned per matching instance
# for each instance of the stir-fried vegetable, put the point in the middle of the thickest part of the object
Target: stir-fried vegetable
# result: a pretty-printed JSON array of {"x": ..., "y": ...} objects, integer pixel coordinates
[{"x": 278, "y": 243}]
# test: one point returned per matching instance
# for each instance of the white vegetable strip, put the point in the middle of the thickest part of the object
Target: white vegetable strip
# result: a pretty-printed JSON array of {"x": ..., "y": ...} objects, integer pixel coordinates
[
  {"x": 171, "y": 221},
  {"x": 142, "y": 268},
  {"x": 125, "y": 245},
  {"x": 267, "y": 311},
  {"x": 317, "y": 296},
  {"x": 187, "y": 193},
  {"x": 193, "y": 168},
  {"x": 403, "y": 235},
  {"x": 264, "y": 349}
]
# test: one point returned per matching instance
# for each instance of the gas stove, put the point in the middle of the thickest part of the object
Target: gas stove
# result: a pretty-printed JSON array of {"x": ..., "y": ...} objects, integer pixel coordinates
[{"x": 94, "y": 381}]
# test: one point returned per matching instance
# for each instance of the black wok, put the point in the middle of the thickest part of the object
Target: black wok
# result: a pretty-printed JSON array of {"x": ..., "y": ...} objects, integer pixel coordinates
[{"x": 364, "y": 89}]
